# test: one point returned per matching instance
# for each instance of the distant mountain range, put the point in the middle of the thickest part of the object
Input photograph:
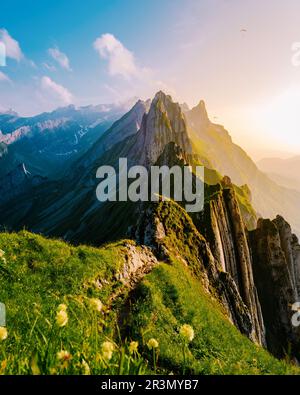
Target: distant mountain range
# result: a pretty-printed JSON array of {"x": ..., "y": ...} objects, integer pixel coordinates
[
  {"x": 283, "y": 171},
  {"x": 69, "y": 144},
  {"x": 49, "y": 141}
]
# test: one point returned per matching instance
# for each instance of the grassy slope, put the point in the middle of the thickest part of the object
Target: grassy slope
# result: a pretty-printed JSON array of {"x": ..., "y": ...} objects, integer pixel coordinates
[
  {"x": 39, "y": 274},
  {"x": 170, "y": 297}
]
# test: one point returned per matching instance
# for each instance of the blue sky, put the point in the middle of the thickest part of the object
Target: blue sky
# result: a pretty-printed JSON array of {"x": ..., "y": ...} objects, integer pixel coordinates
[
  {"x": 72, "y": 27},
  {"x": 101, "y": 51}
]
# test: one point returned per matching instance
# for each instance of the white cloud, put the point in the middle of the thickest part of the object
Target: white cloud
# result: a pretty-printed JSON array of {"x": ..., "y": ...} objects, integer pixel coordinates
[
  {"x": 55, "y": 91},
  {"x": 49, "y": 67},
  {"x": 137, "y": 80},
  {"x": 13, "y": 49},
  {"x": 4, "y": 77},
  {"x": 121, "y": 61},
  {"x": 60, "y": 57}
]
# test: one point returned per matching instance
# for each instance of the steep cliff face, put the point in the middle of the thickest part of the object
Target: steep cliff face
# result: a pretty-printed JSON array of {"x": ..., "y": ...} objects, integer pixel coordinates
[
  {"x": 264, "y": 265},
  {"x": 170, "y": 232},
  {"x": 223, "y": 226},
  {"x": 217, "y": 252},
  {"x": 256, "y": 274},
  {"x": 163, "y": 124},
  {"x": 276, "y": 272}
]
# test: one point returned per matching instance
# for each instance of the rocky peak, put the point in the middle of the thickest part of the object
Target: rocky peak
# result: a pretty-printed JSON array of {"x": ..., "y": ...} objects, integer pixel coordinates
[
  {"x": 198, "y": 116},
  {"x": 185, "y": 107},
  {"x": 201, "y": 108},
  {"x": 164, "y": 123},
  {"x": 226, "y": 182}
]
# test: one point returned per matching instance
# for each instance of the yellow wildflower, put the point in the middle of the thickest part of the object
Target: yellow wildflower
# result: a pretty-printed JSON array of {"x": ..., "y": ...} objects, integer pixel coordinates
[
  {"x": 34, "y": 366},
  {"x": 64, "y": 355},
  {"x": 152, "y": 343},
  {"x": 2, "y": 257},
  {"x": 96, "y": 304},
  {"x": 133, "y": 347},
  {"x": 3, "y": 333},
  {"x": 86, "y": 368},
  {"x": 107, "y": 350},
  {"x": 62, "y": 318},
  {"x": 187, "y": 332}
]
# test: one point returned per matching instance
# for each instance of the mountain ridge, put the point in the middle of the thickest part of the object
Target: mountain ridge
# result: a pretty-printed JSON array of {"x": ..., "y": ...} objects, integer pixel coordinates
[{"x": 228, "y": 258}]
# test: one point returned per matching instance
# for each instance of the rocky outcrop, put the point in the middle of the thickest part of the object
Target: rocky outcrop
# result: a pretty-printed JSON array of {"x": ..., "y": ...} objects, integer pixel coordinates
[
  {"x": 222, "y": 225},
  {"x": 138, "y": 262},
  {"x": 275, "y": 254},
  {"x": 16, "y": 135},
  {"x": 164, "y": 123},
  {"x": 291, "y": 249},
  {"x": 264, "y": 265},
  {"x": 171, "y": 234}
]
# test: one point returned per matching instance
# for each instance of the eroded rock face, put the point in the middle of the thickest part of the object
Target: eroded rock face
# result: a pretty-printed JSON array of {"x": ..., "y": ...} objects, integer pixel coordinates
[
  {"x": 223, "y": 227},
  {"x": 180, "y": 239},
  {"x": 255, "y": 275},
  {"x": 164, "y": 123},
  {"x": 291, "y": 249},
  {"x": 276, "y": 272},
  {"x": 138, "y": 262}
]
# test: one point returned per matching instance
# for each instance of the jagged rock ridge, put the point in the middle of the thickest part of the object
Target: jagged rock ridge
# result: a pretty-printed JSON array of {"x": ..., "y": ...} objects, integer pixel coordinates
[{"x": 216, "y": 243}]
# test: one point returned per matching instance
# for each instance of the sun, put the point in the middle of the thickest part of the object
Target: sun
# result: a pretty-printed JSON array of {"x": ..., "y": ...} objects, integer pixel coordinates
[{"x": 279, "y": 118}]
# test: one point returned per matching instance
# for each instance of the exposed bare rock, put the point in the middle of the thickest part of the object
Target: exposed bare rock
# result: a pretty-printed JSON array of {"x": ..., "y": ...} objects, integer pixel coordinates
[
  {"x": 164, "y": 123},
  {"x": 16, "y": 135},
  {"x": 169, "y": 231},
  {"x": 291, "y": 249},
  {"x": 224, "y": 228},
  {"x": 236, "y": 308},
  {"x": 276, "y": 272},
  {"x": 138, "y": 262}
]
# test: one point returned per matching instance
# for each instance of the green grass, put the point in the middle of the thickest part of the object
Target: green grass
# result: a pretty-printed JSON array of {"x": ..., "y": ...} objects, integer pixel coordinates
[
  {"x": 170, "y": 297},
  {"x": 39, "y": 274}
]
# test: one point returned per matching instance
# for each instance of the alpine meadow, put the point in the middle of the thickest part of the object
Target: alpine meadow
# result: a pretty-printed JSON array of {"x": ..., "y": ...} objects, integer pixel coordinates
[{"x": 139, "y": 236}]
